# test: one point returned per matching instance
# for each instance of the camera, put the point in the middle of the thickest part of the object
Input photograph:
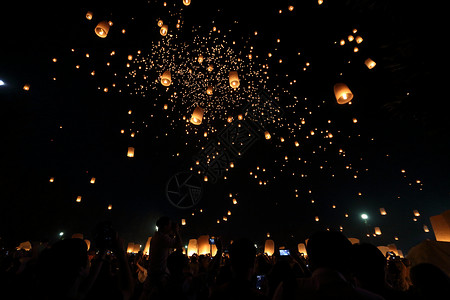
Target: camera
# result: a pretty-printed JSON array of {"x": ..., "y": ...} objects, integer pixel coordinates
[{"x": 259, "y": 281}]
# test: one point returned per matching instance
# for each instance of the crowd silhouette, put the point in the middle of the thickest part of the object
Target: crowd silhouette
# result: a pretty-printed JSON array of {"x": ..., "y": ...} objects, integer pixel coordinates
[{"x": 332, "y": 269}]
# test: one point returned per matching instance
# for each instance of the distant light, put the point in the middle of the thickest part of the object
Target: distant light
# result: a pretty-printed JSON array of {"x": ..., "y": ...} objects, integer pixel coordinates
[
  {"x": 364, "y": 216},
  {"x": 2, "y": 82},
  {"x": 61, "y": 233}
]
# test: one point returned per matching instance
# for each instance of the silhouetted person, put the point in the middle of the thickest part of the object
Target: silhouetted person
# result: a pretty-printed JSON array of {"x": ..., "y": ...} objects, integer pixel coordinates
[
  {"x": 368, "y": 268},
  {"x": 166, "y": 238},
  {"x": 328, "y": 254},
  {"x": 242, "y": 258},
  {"x": 429, "y": 282}
]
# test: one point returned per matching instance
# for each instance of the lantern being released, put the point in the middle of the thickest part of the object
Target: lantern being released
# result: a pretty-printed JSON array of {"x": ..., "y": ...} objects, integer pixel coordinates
[
  {"x": 102, "y": 29},
  {"x": 166, "y": 78},
  {"x": 269, "y": 247},
  {"x": 203, "y": 245},
  {"x": 234, "y": 79},
  {"x": 192, "y": 247},
  {"x": 342, "y": 93},
  {"x": 197, "y": 116}
]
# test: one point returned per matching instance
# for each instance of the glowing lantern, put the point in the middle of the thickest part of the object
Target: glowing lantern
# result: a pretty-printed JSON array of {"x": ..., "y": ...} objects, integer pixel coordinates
[
  {"x": 416, "y": 213},
  {"x": 166, "y": 78},
  {"x": 209, "y": 90},
  {"x": 187, "y": 2},
  {"x": 192, "y": 247},
  {"x": 213, "y": 250},
  {"x": 203, "y": 245},
  {"x": 234, "y": 79},
  {"x": 197, "y": 116},
  {"x": 441, "y": 226},
  {"x": 269, "y": 247},
  {"x": 130, "y": 152},
  {"x": 425, "y": 228},
  {"x": 351, "y": 38},
  {"x": 342, "y": 93},
  {"x": 26, "y": 87},
  {"x": 89, "y": 15},
  {"x": 382, "y": 211},
  {"x": 109, "y": 206},
  {"x": 200, "y": 58},
  {"x": 88, "y": 244},
  {"x": 52, "y": 179},
  {"x": 267, "y": 135},
  {"x": 234, "y": 201},
  {"x": 183, "y": 222},
  {"x": 92, "y": 180},
  {"x": 78, "y": 199},
  {"x": 147, "y": 246},
  {"x": 210, "y": 68},
  {"x": 370, "y": 64},
  {"x": 24, "y": 246},
  {"x": 377, "y": 231},
  {"x": 160, "y": 23},
  {"x": 136, "y": 248},
  {"x": 353, "y": 241},
  {"x": 359, "y": 39},
  {"x": 130, "y": 247},
  {"x": 164, "y": 30},
  {"x": 316, "y": 218},
  {"x": 102, "y": 29},
  {"x": 302, "y": 249}
]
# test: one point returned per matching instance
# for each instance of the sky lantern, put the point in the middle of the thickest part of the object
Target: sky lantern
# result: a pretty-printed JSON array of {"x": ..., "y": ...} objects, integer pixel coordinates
[
  {"x": 197, "y": 116},
  {"x": 302, "y": 249},
  {"x": 130, "y": 247},
  {"x": 359, "y": 39},
  {"x": 377, "y": 231},
  {"x": 234, "y": 79},
  {"x": 102, "y": 29},
  {"x": 52, "y": 179},
  {"x": 267, "y": 135},
  {"x": 183, "y": 222},
  {"x": 200, "y": 58},
  {"x": 89, "y": 15},
  {"x": 164, "y": 30},
  {"x": 78, "y": 199},
  {"x": 160, "y": 23},
  {"x": 192, "y": 247},
  {"x": 203, "y": 245},
  {"x": 130, "y": 152},
  {"x": 269, "y": 247},
  {"x": 370, "y": 64},
  {"x": 26, "y": 87},
  {"x": 166, "y": 78},
  {"x": 209, "y": 90},
  {"x": 147, "y": 246},
  {"x": 187, "y": 2},
  {"x": 383, "y": 211},
  {"x": 342, "y": 93},
  {"x": 441, "y": 226},
  {"x": 416, "y": 213},
  {"x": 92, "y": 180}
]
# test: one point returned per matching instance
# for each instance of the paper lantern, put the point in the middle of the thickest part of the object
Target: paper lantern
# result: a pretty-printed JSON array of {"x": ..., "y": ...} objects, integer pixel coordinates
[
  {"x": 147, "y": 246},
  {"x": 78, "y": 199},
  {"x": 130, "y": 247},
  {"x": 213, "y": 250},
  {"x": 187, "y": 2},
  {"x": 88, "y": 244},
  {"x": 92, "y": 180},
  {"x": 302, "y": 249},
  {"x": 342, "y": 93},
  {"x": 89, "y": 15},
  {"x": 353, "y": 241},
  {"x": 24, "y": 246},
  {"x": 377, "y": 231},
  {"x": 197, "y": 116},
  {"x": 370, "y": 64},
  {"x": 382, "y": 211},
  {"x": 210, "y": 68},
  {"x": 200, "y": 58},
  {"x": 269, "y": 247},
  {"x": 416, "y": 213},
  {"x": 359, "y": 39},
  {"x": 130, "y": 152},
  {"x": 26, "y": 87},
  {"x": 183, "y": 222},
  {"x": 164, "y": 30},
  {"x": 77, "y": 236},
  {"x": 192, "y": 247},
  {"x": 102, "y": 29},
  {"x": 52, "y": 179},
  {"x": 166, "y": 78},
  {"x": 441, "y": 226},
  {"x": 209, "y": 90},
  {"x": 136, "y": 248},
  {"x": 267, "y": 135},
  {"x": 109, "y": 206},
  {"x": 425, "y": 228},
  {"x": 160, "y": 23},
  {"x": 203, "y": 245},
  {"x": 233, "y": 77}
]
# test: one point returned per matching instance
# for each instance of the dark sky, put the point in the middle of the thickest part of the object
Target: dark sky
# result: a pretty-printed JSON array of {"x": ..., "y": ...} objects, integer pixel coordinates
[{"x": 400, "y": 107}]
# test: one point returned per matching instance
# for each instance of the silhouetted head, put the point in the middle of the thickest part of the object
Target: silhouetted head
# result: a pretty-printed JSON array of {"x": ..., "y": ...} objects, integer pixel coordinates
[
  {"x": 176, "y": 262},
  {"x": 164, "y": 224},
  {"x": 242, "y": 256},
  {"x": 329, "y": 249},
  {"x": 367, "y": 265},
  {"x": 429, "y": 279}
]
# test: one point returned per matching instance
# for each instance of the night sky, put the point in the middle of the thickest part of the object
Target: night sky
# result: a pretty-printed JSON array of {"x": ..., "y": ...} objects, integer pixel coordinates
[{"x": 67, "y": 127}]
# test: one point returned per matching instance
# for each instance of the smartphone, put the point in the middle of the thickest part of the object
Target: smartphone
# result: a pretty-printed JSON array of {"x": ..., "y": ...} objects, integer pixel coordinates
[
  {"x": 284, "y": 252},
  {"x": 259, "y": 281},
  {"x": 211, "y": 241}
]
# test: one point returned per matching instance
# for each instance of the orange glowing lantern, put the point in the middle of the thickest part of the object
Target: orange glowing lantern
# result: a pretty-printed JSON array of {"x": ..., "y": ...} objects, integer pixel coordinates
[
  {"x": 164, "y": 30},
  {"x": 269, "y": 247},
  {"x": 209, "y": 90},
  {"x": 187, "y": 2},
  {"x": 166, "y": 78},
  {"x": 302, "y": 248},
  {"x": 89, "y": 15},
  {"x": 267, "y": 135},
  {"x": 233, "y": 77},
  {"x": 342, "y": 93},
  {"x": 370, "y": 64},
  {"x": 102, "y": 29},
  {"x": 197, "y": 116},
  {"x": 203, "y": 245},
  {"x": 147, "y": 246},
  {"x": 130, "y": 152},
  {"x": 192, "y": 247},
  {"x": 383, "y": 211}
]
